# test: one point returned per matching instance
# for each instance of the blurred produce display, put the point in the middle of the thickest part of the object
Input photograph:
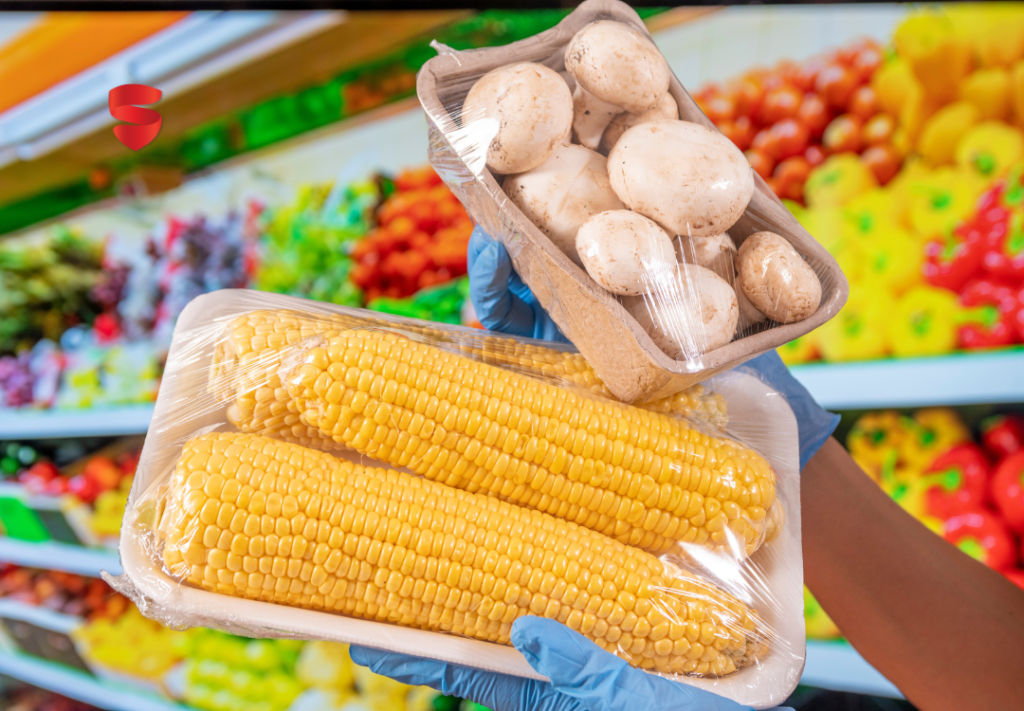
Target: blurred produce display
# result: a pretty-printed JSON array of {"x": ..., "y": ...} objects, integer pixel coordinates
[
  {"x": 905, "y": 161},
  {"x": 205, "y": 669},
  {"x": 420, "y": 240},
  {"x": 392, "y": 244},
  {"x": 965, "y": 486},
  {"x": 29, "y": 698},
  {"x": 81, "y": 503}
]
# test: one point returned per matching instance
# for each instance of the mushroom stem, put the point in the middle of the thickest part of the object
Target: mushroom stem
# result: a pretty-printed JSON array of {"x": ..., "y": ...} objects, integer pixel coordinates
[{"x": 590, "y": 117}]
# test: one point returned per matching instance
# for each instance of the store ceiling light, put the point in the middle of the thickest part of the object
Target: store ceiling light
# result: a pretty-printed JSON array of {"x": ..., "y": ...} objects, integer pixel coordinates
[{"x": 191, "y": 52}]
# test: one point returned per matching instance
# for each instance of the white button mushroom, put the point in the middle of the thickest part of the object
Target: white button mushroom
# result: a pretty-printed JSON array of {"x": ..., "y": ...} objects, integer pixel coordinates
[
  {"x": 667, "y": 109},
  {"x": 776, "y": 278},
  {"x": 562, "y": 193},
  {"x": 617, "y": 68},
  {"x": 749, "y": 316},
  {"x": 521, "y": 113},
  {"x": 715, "y": 252},
  {"x": 690, "y": 179},
  {"x": 625, "y": 252},
  {"x": 696, "y": 313}
]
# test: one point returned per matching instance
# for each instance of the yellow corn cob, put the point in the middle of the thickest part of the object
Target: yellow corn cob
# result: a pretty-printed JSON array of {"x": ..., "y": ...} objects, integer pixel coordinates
[
  {"x": 247, "y": 360},
  {"x": 640, "y": 477},
  {"x": 253, "y": 517}
]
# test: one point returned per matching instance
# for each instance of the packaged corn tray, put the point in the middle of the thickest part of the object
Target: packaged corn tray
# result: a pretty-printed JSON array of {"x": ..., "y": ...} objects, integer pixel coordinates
[
  {"x": 321, "y": 472},
  {"x": 640, "y": 228}
]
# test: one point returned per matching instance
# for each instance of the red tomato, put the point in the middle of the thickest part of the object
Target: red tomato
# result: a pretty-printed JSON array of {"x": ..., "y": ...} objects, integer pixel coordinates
[
  {"x": 791, "y": 138},
  {"x": 883, "y": 160},
  {"x": 814, "y": 155},
  {"x": 719, "y": 108},
  {"x": 836, "y": 84},
  {"x": 790, "y": 176},
  {"x": 842, "y": 134},
  {"x": 760, "y": 162},
  {"x": 740, "y": 132},
  {"x": 864, "y": 103},
  {"x": 878, "y": 130},
  {"x": 765, "y": 142},
  {"x": 814, "y": 114},
  {"x": 780, "y": 103},
  {"x": 807, "y": 75},
  {"x": 748, "y": 93},
  {"x": 706, "y": 93},
  {"x": 788, "y": 71}
]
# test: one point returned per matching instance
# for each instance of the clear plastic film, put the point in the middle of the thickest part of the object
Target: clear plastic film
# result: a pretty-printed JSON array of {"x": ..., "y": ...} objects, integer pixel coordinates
[
  {"x": 321, "y": 472},
  {"x": 640, "y": 228}
]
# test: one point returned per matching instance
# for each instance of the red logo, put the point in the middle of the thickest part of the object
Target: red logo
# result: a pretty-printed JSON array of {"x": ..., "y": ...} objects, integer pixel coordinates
[{"x": 143, "y": 125}]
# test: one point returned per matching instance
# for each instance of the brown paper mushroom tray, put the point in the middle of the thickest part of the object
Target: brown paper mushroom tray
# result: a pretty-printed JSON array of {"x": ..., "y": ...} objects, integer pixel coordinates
[{"x": 625, "y": 357}]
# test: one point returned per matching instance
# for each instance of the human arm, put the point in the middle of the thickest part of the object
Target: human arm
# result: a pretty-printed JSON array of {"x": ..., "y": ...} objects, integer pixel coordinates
[{"x": 944, "y": 628}]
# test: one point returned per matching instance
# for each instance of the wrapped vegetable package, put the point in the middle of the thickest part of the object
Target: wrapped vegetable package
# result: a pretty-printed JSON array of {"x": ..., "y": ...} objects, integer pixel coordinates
[
  {"x": 321, "y": 472},
  {"x": 640, "y": 228}
]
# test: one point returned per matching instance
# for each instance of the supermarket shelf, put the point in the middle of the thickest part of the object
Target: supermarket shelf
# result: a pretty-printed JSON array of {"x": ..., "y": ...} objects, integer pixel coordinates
[
  {"x": 59, "y": 556},
  {"x": 960, "y": 379},
  {"x": 123, "y": 420},
  {"x": 838, "y": 666},
  {"x": 39, "y": 616},
  {"x": 81, "y": 686}
]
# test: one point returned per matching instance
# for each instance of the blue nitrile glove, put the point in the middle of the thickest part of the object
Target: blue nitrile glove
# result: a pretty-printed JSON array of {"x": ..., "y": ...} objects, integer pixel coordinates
[
  {"x": 583, "y": 677},
  {"x": 500, "y": 298},
  {"x": 504, "y": 303}
]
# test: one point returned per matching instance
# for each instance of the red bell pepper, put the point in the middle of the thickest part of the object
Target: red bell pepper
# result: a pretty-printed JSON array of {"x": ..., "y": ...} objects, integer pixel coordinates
[
  {"x": 1008, "y": 490},
  {"x": 955, "y": 259},
  {"x": 1002, "y": 435},
  {"x": 1003, "y": 241},
  {"x": 956, "y": 481},
  {"x": 1018, "y": 318},
  {"x": 1015, "y": 576},
  {"x": 989, "y": 319},
  {"x": 983, "y": 536}
]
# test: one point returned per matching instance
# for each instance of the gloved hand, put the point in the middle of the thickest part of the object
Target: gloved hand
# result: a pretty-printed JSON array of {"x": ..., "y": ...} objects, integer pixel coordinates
[
  {"x": 583, "y": 676},
  {"x": 500, "y": 298},
  {"x": 504, "y": 303}
]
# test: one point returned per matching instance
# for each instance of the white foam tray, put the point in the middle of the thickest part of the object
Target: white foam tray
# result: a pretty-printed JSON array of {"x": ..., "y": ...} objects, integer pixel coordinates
[{"x": 758, "y": 416}]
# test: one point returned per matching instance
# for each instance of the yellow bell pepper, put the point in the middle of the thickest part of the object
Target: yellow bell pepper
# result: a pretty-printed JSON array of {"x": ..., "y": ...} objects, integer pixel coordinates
[
  {"x": 931, "y": 432},
  {"x": 923, "y": 322},
  {"x": 874, "y": 210},
  {"x": 939, "y": 58},
  {"x": 941, "y": 133},
  {"x": 917, "y": 108},
  {"x": 838, "y": 180},
  {"x": 989, "y": 91},
  {"x": 827, "y": 226},
  {"x": 800, "y": 350},
  {"x": 990, "y": 148},
  {"x": 874, "y": 439},
  {"x": 892, "y": 258},
  {"x": 940, "y": 199},
  {"x": 893, "y": 82},
  {"x": 855, "y": 333},
  {"x": 994, "y": 31}
]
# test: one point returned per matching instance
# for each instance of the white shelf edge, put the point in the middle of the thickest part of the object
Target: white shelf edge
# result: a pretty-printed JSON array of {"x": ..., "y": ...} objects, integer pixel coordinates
[
  {"x": 36, "y": 424},
  {"x": 39, "y": 616},
  {"x": 839, "y": 667},
  {"x": 59, "y": 556},
  {"x": 958, "y": 379},
  {"x": 80, "y": 686}
]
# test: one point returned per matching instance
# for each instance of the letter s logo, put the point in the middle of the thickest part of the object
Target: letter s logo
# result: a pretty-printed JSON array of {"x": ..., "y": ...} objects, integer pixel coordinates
[{"x": 147, "y": 121}]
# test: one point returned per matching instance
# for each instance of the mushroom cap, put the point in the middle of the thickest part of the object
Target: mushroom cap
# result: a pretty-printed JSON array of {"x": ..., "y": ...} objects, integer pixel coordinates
[
  {"x": 619, "y": 64},
  {"x": 625, "y": 252},
  {"x": 667, "y": 109},
  {"x": 696, "y": 315},
  {"x": 776, "y": 279},
  {"x": 521, "y": 112},
  {"x": 690, "y": 179},
  {"x": 562, "y": 193},
  {"x": 715, "y": 253},
  {"x": 749, "y": 316}
]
